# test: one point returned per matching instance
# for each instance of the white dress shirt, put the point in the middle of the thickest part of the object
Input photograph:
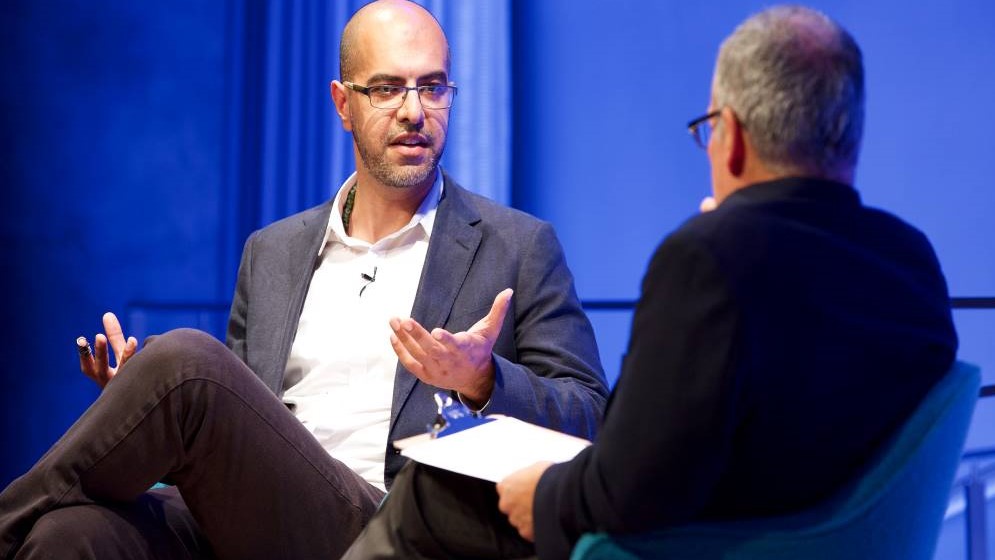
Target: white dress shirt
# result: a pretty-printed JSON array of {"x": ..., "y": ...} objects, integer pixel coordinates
[{"x": 340, "y": 373}]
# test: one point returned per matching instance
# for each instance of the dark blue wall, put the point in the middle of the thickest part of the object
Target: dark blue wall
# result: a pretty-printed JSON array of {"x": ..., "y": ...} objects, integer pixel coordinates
[
  {"x": 113, "y": 123},
  {"x": 602, "y": 97}
]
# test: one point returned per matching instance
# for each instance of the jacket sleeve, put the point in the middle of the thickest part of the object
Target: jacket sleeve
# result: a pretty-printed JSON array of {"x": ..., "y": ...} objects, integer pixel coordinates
[
  {"x": 237, "y": 317},
  {"x": 556, "y": 378},
  {"x": 668, "y": 427}
]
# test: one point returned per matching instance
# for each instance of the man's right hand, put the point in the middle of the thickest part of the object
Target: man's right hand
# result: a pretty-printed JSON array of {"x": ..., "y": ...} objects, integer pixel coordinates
[{"x": 97, "y": 366}]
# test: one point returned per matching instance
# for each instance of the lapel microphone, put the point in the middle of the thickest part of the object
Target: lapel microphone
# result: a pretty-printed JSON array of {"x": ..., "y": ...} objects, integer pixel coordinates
[{"x": 368, "y": 278}]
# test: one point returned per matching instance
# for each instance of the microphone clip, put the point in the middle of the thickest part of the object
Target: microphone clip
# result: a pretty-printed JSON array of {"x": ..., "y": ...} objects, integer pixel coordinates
[{"x": 369, "y": 279}]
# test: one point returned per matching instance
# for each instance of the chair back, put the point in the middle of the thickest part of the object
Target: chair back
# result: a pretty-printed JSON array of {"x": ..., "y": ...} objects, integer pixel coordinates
[{"x": 893, "y": 509}]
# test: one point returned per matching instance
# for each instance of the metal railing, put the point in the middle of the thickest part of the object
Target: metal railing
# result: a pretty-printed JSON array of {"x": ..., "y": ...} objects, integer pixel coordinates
[
  {"x": 974, "y": 486},
  {"x": 630, "y": 304}
]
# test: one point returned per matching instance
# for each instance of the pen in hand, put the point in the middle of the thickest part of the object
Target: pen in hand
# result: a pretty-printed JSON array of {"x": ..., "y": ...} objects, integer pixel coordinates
[
  {"x": 94, "y": 361},
  {"x": 83, "y": 347}
]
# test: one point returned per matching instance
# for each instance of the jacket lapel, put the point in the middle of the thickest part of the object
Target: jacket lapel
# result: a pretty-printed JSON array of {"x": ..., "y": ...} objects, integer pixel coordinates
[
  {"x": 451, "y": 251},
  {"x": 302, "y": 258}
]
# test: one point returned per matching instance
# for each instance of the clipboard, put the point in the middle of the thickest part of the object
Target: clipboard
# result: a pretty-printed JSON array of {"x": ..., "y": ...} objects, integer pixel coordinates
[{"x": 490, "y": 447}]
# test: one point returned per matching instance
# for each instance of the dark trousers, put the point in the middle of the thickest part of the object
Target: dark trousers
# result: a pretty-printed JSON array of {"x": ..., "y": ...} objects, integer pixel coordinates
[
  {"x": 254, "y": 482},
  {"x": 432, "y": 513}
]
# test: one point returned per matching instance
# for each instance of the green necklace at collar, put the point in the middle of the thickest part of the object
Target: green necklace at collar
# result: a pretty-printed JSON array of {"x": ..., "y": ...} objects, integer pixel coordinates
[{"x": 350, "y": 201}]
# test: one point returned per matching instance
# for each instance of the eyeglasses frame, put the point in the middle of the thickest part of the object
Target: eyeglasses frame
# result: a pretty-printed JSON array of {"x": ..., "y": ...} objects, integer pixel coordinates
[
  {"x": 695, "y": 124},
  {"x": 365, "y": 90}
]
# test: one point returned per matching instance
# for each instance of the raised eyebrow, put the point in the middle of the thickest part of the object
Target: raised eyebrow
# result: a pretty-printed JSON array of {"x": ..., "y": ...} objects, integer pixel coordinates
[
  {"x": 384, "y": 79},
  {"x": 440, "y": 77},
  {"x": 390, "y": 79}
]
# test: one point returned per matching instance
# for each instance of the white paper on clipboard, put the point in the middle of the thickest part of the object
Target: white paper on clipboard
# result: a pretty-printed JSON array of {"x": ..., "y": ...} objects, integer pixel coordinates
[{"x": 493, "y": 450}]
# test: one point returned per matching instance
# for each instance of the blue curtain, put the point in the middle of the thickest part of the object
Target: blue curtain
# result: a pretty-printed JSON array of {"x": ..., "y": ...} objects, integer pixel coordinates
[{"x": 479, "y": 151}]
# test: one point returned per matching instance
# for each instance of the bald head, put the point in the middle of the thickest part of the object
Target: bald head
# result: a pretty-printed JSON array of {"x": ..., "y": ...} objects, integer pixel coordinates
[
  {"x": 393, "y": 43},
  {"x": 377, "y": 19}
]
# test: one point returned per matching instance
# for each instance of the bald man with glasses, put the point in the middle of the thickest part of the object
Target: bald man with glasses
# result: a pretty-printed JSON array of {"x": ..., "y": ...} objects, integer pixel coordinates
[{"x": 346, "y": 319}]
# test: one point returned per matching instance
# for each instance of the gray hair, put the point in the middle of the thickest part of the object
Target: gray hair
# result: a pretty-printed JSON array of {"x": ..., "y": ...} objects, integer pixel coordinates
[{"x": 795, "y": 80}]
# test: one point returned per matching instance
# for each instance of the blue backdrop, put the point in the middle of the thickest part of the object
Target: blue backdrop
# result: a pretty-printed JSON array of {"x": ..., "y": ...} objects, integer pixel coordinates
[
  {"x": 611, "y": 166},
  {"x": 141, "y": 142}
]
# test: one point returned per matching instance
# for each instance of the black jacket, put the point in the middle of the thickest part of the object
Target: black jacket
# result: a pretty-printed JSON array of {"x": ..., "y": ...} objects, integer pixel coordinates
[{"x": 778, "y": 341}]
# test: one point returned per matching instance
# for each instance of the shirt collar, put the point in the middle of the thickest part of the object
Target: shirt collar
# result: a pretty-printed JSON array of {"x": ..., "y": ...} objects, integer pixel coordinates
[{"x": 423, "y": 217}]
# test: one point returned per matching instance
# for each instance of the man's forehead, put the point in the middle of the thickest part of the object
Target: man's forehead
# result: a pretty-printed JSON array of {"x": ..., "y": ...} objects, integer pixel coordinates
[{"x": 409, "y": 56}]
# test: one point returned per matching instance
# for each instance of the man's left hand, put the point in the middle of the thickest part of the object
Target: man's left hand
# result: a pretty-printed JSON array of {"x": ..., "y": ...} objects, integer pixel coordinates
[
  {"x": 460, "y": 361},
  {"x": 516, "y": 494}
]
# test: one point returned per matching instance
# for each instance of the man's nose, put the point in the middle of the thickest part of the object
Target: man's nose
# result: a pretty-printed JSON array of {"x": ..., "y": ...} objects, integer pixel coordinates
[{"x": 411, "y": 109}]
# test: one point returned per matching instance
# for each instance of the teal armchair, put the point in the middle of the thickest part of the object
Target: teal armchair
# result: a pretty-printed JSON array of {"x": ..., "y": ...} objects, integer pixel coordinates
[{"x": 892, "y": 510}]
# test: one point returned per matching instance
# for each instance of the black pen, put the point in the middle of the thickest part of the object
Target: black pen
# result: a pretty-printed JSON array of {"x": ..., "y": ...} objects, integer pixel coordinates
[{"x": 83, "y": 347}]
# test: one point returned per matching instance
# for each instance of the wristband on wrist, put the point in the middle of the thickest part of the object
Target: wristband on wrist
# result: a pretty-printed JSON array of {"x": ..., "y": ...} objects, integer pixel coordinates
[{"x": 477, "y": 411}]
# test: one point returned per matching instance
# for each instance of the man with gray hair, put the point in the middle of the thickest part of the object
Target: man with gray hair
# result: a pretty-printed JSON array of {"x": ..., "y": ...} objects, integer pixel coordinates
[{"x": 779, "y": 339}]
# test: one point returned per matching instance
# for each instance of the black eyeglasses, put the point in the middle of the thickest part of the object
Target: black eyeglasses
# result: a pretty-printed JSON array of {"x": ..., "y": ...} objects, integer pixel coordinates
[
  {"x": 392, "y": 96},
  {"x": 701, "y": 128}
]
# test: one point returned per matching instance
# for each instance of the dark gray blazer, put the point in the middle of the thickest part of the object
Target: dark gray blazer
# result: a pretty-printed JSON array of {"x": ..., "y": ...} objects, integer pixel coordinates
[{"x": 546, "y": 359}]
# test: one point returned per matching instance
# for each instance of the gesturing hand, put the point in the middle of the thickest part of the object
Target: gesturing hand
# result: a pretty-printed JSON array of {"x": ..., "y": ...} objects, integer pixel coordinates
[
  {"x": 460, "y": 361},
  {"x": 97, "y": 366}
]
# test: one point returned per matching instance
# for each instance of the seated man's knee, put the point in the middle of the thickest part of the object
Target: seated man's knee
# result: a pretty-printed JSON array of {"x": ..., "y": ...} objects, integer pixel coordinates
[
  {"x": 183, "y": 342},
  {"x": 176, "y": 351}
]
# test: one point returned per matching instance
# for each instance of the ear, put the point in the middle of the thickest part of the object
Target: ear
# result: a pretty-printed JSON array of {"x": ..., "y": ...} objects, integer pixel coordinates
[
  {"x": 341, "y": 99},
  {"x": 733, "y": 143}
]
